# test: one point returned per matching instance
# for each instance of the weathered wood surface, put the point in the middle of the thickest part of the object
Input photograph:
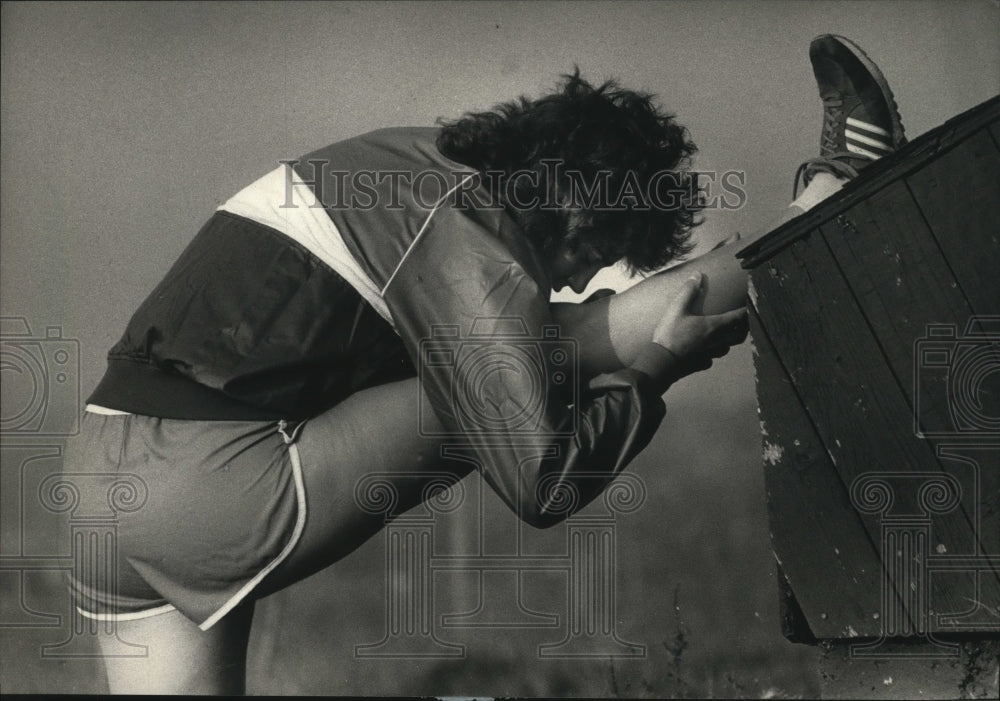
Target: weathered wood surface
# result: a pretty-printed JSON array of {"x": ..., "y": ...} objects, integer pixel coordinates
[
  {"x": 848, "y": 389},
  {"x": 819, "y": 541},
  {"x": 894, "y": 268},
  {"x": 844, "y": 298},
  {"x": 959, "y": 197}
]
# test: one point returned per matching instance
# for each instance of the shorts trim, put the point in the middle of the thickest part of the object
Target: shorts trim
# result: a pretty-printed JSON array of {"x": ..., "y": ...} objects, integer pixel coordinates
[
  {"x": 300, "y": 523},
  {"x": 133, "y": 616},
  {"x": 103, "y": 410}
]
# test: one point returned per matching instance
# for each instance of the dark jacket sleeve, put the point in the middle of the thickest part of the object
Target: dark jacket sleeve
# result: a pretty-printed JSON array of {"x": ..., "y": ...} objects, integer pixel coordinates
[{"x": 501, "y": 376}]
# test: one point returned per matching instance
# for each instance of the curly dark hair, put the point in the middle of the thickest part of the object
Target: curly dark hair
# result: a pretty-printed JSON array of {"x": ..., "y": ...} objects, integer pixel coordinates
[{"x": 575, "y": 141}]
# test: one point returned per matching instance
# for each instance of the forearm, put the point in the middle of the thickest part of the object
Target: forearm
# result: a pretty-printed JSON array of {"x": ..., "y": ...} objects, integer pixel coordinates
[{"x": 634, "y": 314}]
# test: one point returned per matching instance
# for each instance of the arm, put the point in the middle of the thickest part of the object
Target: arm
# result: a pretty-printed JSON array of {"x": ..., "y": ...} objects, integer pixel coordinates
[
  {"x": 530, "y": 444},
  {"x": 536, "y": 439}
]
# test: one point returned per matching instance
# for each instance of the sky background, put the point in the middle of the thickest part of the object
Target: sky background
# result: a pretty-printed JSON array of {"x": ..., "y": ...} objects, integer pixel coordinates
[{"x": 124, "y": 125}]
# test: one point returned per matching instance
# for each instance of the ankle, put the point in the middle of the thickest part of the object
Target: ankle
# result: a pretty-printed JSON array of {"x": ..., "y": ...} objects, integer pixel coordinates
[{"x": 821, "y": 186}]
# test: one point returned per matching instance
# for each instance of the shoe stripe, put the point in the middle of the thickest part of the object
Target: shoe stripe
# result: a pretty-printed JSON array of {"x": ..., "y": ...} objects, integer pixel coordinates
[
  {"x": 862, "y": 139},
  {"x": 870, "y": 149},
  {"x": 858, "y": 124},
  {"x": 863, "y": 151}
]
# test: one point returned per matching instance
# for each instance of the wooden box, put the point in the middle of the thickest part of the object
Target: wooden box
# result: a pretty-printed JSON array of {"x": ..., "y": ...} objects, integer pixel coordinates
[{"x": 875, "y": 321}]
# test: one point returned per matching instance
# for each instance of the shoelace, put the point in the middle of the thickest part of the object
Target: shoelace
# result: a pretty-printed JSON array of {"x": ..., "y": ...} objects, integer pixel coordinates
[
  {"x": 832, "y": 114},
  {"x": 835, "y": 163}
]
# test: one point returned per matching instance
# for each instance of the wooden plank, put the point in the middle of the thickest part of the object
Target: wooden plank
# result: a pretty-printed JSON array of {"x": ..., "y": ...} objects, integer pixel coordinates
[
  {"x": 986, "y": 457},
  {"x": 982, "y": 461},
  {"x": 995, "y": 132},
  {"x": 819, "y": 541},
  {"x": 894, "y": 269},
  {"x": 847, "y": 386},
  {"x": 959, "y": 195},
  {"x": 964, "y": 215}
]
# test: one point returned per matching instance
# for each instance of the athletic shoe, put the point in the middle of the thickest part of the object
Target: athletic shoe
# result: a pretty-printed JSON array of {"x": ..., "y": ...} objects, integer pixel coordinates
[{"x": 861, "y": 122}]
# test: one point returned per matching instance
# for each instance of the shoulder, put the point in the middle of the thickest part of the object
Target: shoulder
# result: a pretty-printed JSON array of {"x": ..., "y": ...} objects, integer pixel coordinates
[
  {"x": 385, "y": 148},
  {"x": 488, "y": 233}
]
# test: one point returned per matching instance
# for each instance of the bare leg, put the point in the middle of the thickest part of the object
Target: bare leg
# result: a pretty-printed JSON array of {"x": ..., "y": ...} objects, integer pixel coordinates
[
  {"x": 182, "y": 659},
  {"x": 373, "y": 433},
  {"x": 611, "y": 331}
]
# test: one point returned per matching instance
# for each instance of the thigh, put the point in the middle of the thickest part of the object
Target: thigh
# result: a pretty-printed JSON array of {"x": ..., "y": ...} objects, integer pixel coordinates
[
  {"x": 366, "y": 453},
  {"x": 180, "y": 659}
]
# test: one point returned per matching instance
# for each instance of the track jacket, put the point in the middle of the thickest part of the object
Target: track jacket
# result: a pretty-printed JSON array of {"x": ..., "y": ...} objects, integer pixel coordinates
[{"x": 371, "y": 260}]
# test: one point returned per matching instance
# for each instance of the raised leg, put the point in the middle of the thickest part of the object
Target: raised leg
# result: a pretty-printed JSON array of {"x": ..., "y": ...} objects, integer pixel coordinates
[
  {"x": 611, "y": 331},
  {"x": 375, "y": 433}
]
